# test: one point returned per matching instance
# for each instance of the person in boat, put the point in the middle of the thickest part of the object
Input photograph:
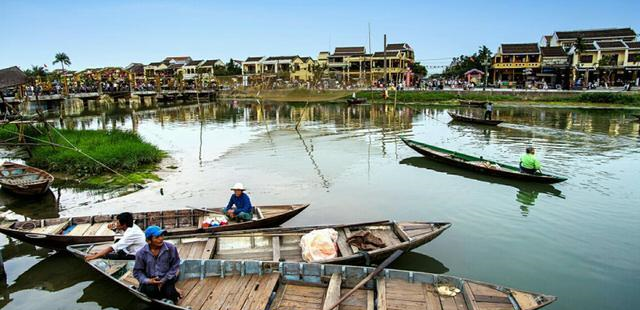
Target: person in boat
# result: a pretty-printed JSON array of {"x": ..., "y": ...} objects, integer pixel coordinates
[
  {"x": 132, "y": 240},
  {"x": 528, "y": 161},
  {"x": 157, "y": 266},
  {"x": 239, "y": 206},
  {"x": 488, "y": 110}
]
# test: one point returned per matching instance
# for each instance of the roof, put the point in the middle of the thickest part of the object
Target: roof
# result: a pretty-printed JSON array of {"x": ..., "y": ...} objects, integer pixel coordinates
[
  {"x": 633, "y": 45},
  {"x": 474, "y": 71},
  {"x": 136, "y": 68},
  {"x": 520, "y": 48},
  {"x": 211, "y": 62},
  {"x": 399, "y": 47},
  {"x": 553, "y": 51},
  {"x": 352, "y": 50},
  {"x": 194, "y": 62},
  {"x": 12, "y": 76},
  {"x": 611, "y": 44},
  {"x": 389, "y": 54},
  {"x": 282, "y": 57},
  {"x": 177, "y": 58},
  {"x": 596, "y": 33},
  {"x": 254, "y": 58},
  {"x": 305, "y": 59},
  {"x": 175, "y": 66},
  {"x": 155, "y": 64}
]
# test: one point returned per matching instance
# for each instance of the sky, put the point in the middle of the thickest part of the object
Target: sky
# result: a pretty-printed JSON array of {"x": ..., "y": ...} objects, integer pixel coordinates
[{"x": 116, "y": 33}]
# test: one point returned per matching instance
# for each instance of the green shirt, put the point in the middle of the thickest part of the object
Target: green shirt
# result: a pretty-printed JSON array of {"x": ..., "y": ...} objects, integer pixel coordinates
[{"x": 529, "y": 161}]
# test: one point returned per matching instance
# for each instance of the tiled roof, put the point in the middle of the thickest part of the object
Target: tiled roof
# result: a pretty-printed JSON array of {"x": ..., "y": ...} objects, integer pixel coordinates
[
  {"x": 282, "y": 57},
  {"x": 305, "y": 59},
  {"x": 194, "y": 62},
  {"x": 155, "y": 64},
  {"x": 521, "y": 48},
  {"x": 254, "y": 58},
  {"x": 633, "y": 45},
  {"x": 389, "y": 54},
  {"x": 346, "y": 51},
  {"x": 211, "y": 62},
  {"x": 611, "y": 44},
  {"x": 596, "y": 33},
  {"x": 554, "y": 51},
  {"x": 398, "y": 47}
]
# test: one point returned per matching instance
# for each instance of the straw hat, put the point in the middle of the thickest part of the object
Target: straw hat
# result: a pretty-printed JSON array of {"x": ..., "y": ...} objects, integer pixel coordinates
[{"x": 237, "y": 186}]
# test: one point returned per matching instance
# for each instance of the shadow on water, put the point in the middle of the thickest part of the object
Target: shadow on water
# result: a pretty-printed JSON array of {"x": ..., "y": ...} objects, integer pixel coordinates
[
  {"x": 419, "y": 262},
  {"x": 527, "y": 192},
  {"x": 35, "y": 207},
  {"x": 61, "y": 271}
]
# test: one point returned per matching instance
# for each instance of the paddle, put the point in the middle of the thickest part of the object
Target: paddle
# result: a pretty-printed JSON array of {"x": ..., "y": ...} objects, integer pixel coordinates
[{"x": 376, "y": 271}]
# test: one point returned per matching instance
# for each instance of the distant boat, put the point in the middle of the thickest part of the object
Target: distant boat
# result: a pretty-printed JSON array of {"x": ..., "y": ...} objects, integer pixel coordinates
[
  {"x": 356, "y": 100},
  {"x": 58, "y": 233},
  {"x": 473, "y": 103},
  {"x": 24, "y": 180},
  {"x": 466, "y": 119},
  {"x": 479, "y": 165},
  {"x": 247, "y": 284}
]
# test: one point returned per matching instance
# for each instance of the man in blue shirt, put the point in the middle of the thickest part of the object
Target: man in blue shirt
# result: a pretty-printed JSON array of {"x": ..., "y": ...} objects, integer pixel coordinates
[
  {"x": 239, "y": 206},
  {"x": 157, "y": 266}
]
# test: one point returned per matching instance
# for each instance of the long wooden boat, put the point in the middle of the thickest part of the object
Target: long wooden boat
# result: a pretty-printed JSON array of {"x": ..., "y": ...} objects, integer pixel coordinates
[
  {"x": 473, "y": 103},
  {"x": 356, "y": 100},
  {"x": 480, "y": 165},
  {"x": 229, "y": 284},
  {"x": 58, "y": 233},
  {"x": 461, "y": 118},
  {"x": 24, "y": 180},
  {"x": 283, "y": 243}
]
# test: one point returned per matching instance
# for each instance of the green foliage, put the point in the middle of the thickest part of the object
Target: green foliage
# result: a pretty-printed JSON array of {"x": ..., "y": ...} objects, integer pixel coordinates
[
  {"x": 62, "y": 59},
  {"x": 119, "y": 150},
  {"x": 462, "y": 64},
  {"x": 609, "y": 98},
  {"x": 418, "y": 69}
]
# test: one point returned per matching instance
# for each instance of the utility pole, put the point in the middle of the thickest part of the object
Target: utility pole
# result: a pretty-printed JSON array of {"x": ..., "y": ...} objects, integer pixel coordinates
[
  {"x": 486, "y": 73},
  {"x": 370, "y": 59},
  {"x": 385, "y": 60}
]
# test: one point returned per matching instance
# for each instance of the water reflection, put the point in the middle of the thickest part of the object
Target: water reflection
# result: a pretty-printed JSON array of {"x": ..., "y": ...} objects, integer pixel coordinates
[
  {"x": 35, "y": 207},
  {"x": 417, "y": 261},
  {"x": 527, "y": 192}
]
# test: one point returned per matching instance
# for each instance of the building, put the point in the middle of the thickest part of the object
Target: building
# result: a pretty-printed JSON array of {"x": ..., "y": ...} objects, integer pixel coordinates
[
  {"x": 516, "y": 64},
  {"x": 567, "y": 39},
  {"x": 272, "y": 68},
  {"x": 613, "y": 62},
  {"x": 555, "y": 67}
]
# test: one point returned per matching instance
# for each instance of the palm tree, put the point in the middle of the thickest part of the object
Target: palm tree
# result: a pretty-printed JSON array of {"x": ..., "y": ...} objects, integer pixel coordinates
[
  {"x": 62, "y": 59},
  {"x": 37, "y": 71}
]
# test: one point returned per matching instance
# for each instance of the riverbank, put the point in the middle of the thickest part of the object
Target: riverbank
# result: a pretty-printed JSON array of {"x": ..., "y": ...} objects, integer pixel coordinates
[{"x": 126, "y": 152}]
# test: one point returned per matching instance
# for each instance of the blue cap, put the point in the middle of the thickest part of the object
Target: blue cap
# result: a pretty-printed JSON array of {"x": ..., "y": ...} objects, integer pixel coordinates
[{"x": 153, "y": 231}]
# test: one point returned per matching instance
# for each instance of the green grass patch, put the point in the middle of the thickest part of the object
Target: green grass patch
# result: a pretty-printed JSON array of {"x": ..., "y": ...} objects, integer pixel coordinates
[
  {"x": 113, "y": 180},
  {"x": 123, "y": 151}
]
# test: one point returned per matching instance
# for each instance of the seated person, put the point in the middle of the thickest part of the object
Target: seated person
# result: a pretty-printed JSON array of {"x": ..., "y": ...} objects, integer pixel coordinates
[
  {"x": 126, "y": 247},
  {"x": 528, "y": 162},
  {"x": 157, "y": 266},
  {"x": 239, "y": 206}
]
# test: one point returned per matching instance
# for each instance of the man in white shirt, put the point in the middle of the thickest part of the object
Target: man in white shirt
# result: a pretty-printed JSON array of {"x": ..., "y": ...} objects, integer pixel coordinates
[{"x": 131, "y": 241}]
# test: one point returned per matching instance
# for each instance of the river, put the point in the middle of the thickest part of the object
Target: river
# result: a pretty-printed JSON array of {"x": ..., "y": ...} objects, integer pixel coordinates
[{"x": 578, "y": 240}]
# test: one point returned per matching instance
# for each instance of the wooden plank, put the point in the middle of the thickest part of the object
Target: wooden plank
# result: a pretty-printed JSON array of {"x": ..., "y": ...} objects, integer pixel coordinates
[
  {"x": 93, "y": 229},
  {"x": 343, "y": 246},
  {"x": 51, "y": 229},
  {"x": 460, "y": 303},
  {"x": 129, "y": 279},
  {"x": 238, "y": 298},
  {"x": 196, "y": 250},
  {"x": 400, "y": 233},
  {"x": 431, "y": 297},
  {"x": 259, "y": 297},
  {"x": 104, "y": 230},
  {"x": 333, "y": 292},
  {"x": 524, "y": 300},
  {"x": 492, "y": 299},
  {"x": 347, "y": 233},
  {"x": 184, "y": 249},
  {"x": 370, "y": 300},
  {"x": 209, "y": 249},
  {"x": 259, "y": 212},
  {"x": 418, "y": 232},
  {"x": 79, "y": 230},
  {"x": 448, "y": 303},
  {"x": 199, "y": 294},
  {"x": 225, "y": 293},
  {"x": 469, "y": 297},
  {"x": 276, "y": 248},
  {"x": 382, "y": 294},
  {"x": 481, "y": 289},
  {"x": 187, "y": 285}
]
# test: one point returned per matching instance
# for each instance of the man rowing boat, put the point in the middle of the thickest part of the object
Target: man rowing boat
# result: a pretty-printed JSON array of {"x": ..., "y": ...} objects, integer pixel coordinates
[{"x": 528, "y": 161}]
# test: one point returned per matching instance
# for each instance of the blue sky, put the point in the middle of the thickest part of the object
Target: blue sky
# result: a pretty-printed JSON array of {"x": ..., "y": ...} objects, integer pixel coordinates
[{"x": 102, "y": 33}]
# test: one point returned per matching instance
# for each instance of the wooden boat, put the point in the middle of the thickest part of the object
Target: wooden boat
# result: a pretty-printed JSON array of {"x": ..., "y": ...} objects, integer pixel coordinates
[
  {"x": 23, "y": 179},
  {"x": 480, "y": 165},
  {"x": 58, "y": 233},
  {"x": 222, "y": 284},
  {"x": 356, "y": 100},
  {"x": 473, "y": 103},
  {"x": 461, "y": 118},
  {"x": 276, "y": 244}
]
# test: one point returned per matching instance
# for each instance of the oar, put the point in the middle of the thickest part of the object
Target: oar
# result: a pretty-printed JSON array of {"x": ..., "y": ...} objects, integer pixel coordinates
[{"x": 376, "y": 271}]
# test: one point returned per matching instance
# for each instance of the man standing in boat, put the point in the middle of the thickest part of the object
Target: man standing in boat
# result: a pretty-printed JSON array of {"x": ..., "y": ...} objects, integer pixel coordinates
[
  {"x": 126, "y": 247},
  {"x": 488, "y": 110},
  {"x": 528, "y": 161},
  {"x": 157, "y": 266},
  {"x": 239, "y": 206}
]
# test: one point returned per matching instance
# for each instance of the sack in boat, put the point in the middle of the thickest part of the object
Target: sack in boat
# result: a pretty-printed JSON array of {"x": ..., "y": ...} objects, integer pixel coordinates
[
  {"x": 366, "y": 241},
  {"x": 319, "y": 245}
]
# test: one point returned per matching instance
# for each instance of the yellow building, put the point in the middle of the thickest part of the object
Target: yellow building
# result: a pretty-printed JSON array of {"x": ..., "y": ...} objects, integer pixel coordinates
[
  {"x": 273, "y": 68},
  {"x": 516, "y": 64},
  {"x": 614, "y": 62}
]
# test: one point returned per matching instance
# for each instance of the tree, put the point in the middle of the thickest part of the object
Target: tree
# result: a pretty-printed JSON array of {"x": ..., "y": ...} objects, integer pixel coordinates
[
  {"x": 318, "y": 70},
  {"x": 579, "y": 47},
  {"x": 418, "y": 69},
  {"x": 62, "y": 59},
  {"x": 233, "y": 68},
  {"x": 36, "y": 72},
  {"x": 607, "y": 62},
  {"x": 460, "y": 65}
]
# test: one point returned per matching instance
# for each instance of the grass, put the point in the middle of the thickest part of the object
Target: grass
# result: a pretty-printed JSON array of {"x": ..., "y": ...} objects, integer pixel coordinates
[
  {"x": 123, "y": 151},
  {"x": 433, "y": 96}
]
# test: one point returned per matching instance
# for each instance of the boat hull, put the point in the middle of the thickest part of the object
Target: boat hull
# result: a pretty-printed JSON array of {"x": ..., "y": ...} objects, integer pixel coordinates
[
  {"x": 455, "y": 161},
  {"x": 460, "y": 118},
  {"x": 38, "y": 186}
]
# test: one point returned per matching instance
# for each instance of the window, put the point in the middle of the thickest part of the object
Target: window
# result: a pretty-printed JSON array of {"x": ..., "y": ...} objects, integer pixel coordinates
[
  {"x": 586, "y": 58},
  {"x": 634, "y": 57}
]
